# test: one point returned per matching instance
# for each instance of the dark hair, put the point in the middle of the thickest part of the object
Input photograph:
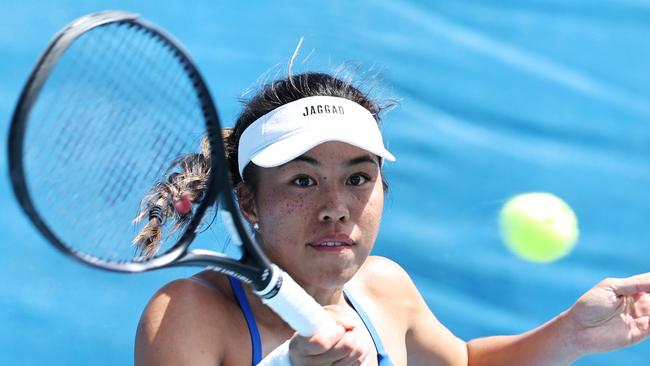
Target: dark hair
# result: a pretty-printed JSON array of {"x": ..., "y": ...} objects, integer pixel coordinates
[{"x": 188, "y": 175}]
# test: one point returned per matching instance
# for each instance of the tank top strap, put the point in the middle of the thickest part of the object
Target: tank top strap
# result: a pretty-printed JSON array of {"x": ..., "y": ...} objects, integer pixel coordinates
[
  {"x": 256, "y": 342},
  {"x": 382, "y": 356}
]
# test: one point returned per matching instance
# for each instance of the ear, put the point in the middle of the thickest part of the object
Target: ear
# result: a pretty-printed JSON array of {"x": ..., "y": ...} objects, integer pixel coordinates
[{"x": 247, "y": 203}]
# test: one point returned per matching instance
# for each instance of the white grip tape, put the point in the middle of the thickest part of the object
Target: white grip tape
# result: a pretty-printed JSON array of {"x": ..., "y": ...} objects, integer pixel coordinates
[
  {"x": 278, "y": 357},
  {"x": 298, "y": 309}
]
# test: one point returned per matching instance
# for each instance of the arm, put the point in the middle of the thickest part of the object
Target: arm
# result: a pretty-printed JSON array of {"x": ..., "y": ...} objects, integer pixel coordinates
[
  {"x": 428, "y": 342},
  {"x": 174, "y": 328},
  {"x": 613, "y": 314},
  {"x": 549, "y": 344}
]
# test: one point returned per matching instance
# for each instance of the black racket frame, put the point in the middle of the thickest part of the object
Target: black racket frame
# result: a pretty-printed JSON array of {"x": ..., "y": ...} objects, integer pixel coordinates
[{"x": 253, "y": 267}]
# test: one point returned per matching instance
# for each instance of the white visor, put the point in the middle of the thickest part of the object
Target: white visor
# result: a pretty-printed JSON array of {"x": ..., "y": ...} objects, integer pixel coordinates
[{"x": 295, "y": 128}]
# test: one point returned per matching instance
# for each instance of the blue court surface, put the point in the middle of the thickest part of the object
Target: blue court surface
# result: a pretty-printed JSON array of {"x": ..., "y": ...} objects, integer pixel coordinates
[{"x": 495, "y": 98}]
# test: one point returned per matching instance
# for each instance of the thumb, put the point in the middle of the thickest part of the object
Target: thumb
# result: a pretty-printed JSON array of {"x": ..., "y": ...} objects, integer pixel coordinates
[
  {"x": 318, "y": 343},
  {"x": 341, "y": 316},
  {"x": 631, "y": 285}
]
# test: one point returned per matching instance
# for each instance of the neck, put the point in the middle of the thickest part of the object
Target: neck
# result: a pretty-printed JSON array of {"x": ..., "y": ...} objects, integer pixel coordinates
[{"x": 326, "y": 296}]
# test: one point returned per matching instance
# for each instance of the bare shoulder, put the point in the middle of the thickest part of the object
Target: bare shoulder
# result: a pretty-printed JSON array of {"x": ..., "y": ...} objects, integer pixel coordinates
[
  {"x": 384, "y": 278},
  {"x": 181, "y": 323},
  {"x": 379, "y": 265},
  {"x": 175, "y": 298},
  {"x": 400, "y": 310},
  {"x": 387, "y": 295}
]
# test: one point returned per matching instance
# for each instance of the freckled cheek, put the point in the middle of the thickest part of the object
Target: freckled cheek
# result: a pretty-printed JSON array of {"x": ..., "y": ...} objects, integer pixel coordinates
[
  {"x": 283, "y": 217},
  {"x": 283, "y": 230},
  {"x": 371, "y": 214},
  {"x": 293, "y": 207},
  {"x": 286, "y": 206}
]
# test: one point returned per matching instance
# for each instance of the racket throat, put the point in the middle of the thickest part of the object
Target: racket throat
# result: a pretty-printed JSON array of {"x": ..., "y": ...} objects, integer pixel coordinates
[
  {"x": 251, "y": 273},
  {"x": 271, "y": 282}
]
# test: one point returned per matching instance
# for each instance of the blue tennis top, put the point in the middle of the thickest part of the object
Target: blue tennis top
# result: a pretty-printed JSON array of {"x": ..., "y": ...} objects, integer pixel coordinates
[{"x": 382, "y": 357}]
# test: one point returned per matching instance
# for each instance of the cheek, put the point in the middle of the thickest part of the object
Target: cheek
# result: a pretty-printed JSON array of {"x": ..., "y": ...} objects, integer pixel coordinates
[
  {"x": 278, "y": 204},
  {"x": 291, "y": 207},
  {"x": 369, "y": 213},
  {"x": 376, "y": 200},
  {"x": 373, "y": 210},
  {"x": 281, "y": 216}
]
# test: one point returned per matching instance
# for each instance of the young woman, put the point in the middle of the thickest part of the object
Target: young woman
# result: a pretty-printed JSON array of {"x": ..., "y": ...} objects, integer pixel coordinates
[{"x": 307, "y": 157}]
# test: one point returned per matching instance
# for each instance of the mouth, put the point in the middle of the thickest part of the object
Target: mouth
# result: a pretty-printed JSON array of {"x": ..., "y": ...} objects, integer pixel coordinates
[
  {"x": 333, "y": 244},
  {"x": 336, "y": 242},
  {"x": 331, "y": 247}
]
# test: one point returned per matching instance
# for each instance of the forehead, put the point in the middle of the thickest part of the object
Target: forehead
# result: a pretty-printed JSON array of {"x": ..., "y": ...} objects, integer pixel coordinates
[{"x": 335, "y": 151}]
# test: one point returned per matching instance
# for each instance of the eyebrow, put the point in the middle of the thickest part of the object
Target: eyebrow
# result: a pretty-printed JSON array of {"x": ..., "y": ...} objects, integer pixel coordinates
[
  {"x": 354, "y": 161},
  {"x": 363, "y": 159}
]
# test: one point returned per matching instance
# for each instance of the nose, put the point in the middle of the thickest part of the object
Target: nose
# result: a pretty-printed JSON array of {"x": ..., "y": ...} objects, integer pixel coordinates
[{"x": 334, "y": 207}]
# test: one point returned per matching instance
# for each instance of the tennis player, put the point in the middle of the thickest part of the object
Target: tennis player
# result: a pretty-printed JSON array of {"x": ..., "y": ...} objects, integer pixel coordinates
[{"x": 307, "y": 157}]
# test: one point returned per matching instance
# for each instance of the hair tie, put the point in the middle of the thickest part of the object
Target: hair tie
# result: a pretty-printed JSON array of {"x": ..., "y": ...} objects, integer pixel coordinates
[
  {"x": 155, "y": 212},
  {"x": 183, "y": 205}
]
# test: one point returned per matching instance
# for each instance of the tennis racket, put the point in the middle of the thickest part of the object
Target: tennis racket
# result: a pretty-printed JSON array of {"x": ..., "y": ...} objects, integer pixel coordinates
[{"x": 109, "y": 105}]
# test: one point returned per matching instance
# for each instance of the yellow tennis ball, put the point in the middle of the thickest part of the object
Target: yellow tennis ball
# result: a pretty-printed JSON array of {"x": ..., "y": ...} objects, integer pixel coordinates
[{"x": 539, "y": 227}]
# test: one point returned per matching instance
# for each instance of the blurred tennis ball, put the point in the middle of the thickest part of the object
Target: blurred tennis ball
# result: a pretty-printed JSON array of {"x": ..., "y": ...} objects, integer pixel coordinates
[{"x": 539, "y": 227}]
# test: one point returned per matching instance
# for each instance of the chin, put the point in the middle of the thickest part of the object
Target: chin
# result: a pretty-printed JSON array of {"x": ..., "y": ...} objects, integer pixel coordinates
[
  {"x": 323, "y": 269},
  {"x": 329, "y": 276}
]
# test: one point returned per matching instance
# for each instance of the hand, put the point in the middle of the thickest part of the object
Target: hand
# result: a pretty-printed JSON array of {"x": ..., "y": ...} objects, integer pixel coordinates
[
  {"x": 613, "y": 314},
  {"x": 345, "y": 345}
]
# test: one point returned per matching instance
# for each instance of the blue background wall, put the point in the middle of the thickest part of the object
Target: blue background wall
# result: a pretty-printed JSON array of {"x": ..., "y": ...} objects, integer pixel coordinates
[{"x": 496, "y": 98}]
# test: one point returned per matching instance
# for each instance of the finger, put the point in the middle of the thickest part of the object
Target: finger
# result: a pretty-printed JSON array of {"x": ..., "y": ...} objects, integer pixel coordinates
[
  {"x": 341, "y": 315},
  {"x": 349, "y": 350},
  {"x": 347, "y": 362},
  {"x": 640, "y": 305},
  {"x": 329, "y": 345},
  {"x": 330, "y": 357},
  {"x": 631, "y": 285},
  {"x": 355, "y": 346},
  {"x": 317, "y": 344},
  {"x": 358, "y": 358},
  {"x": 369, "y": 351},
  {"x": 643, "y": 326},
  {"x": 349, "y": 356}
]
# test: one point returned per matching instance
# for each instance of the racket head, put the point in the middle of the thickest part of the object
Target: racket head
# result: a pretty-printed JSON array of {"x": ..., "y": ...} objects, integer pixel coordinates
[{"x": 111, "y": 102}]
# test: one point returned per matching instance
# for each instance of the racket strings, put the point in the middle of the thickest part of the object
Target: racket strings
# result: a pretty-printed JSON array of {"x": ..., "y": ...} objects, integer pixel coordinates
[
  {"x": 91, "y": 106},
  {"x": 91, "y": 73},
  {"x": 115, "y": 112},
  {"x": 58, "y": 145},
  {"x": 58, "y": 149},
  {"x": 130, "y": 51},
  {"x": 86, "y": 73},
  {"x": 82, "y": 71}
]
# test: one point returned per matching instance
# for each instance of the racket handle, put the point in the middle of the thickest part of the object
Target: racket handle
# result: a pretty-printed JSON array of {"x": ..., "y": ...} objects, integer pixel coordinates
[
  {"x": 299, "y": 310},
  {"x": 295, "y": 306}
]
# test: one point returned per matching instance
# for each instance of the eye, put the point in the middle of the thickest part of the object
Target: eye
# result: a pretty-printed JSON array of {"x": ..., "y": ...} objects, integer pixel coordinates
[
  {"x": 358, "y": 179},
  {"x": 303, "y": 181}
]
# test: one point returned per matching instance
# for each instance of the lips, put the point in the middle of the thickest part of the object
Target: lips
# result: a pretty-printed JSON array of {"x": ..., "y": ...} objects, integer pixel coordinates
[{"x": 333, "y": 242}]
